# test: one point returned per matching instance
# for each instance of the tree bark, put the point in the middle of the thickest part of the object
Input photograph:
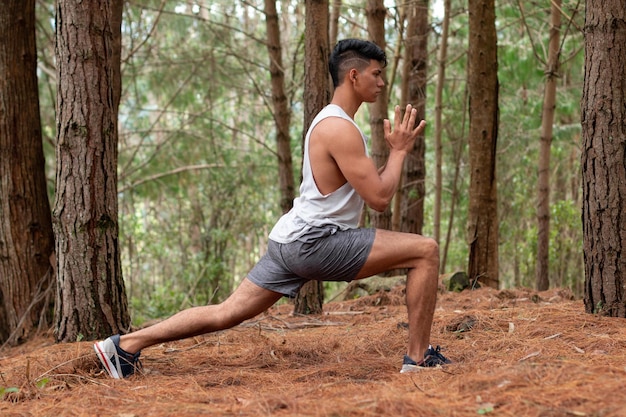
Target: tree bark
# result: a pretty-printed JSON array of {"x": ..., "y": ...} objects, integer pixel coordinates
[
  {"x": 26, "y": 238},
  {"x": 442, "y": 57},
  {"x": 281, "y": 113},
  {"x": 542, "y": 267},
  {"x": 460, "y": 144},
  {"x": 376, "y": 12},
  {"x": 483, "y": 197},
  {"x": 334, "y": 21},
  {"x": 416, "y": 73},
  {"x": 603, "y": 158},
  {"x": 317, "y": 93},
  {"x": 91, "y": 300}
]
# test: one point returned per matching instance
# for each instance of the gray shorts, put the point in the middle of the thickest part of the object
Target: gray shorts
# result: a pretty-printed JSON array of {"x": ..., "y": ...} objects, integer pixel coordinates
[{"x": 337, "y": 257}]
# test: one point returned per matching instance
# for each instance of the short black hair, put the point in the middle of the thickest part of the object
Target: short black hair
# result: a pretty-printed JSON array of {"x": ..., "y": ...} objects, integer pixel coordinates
[{"x": 349, "y": 50}]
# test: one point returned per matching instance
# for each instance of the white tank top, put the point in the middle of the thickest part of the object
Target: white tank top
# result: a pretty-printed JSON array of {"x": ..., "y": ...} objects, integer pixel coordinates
[{"x": 312, "y": 210}]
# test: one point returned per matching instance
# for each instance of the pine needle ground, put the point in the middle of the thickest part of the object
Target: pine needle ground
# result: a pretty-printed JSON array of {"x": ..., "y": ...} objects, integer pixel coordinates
[{"x": 515, "y": 353}]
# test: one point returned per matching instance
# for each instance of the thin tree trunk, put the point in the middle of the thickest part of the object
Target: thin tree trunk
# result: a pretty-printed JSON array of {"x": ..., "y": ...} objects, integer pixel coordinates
[
  {"x": 441, "y": 77},
  {"x": 416, "y": 62},
  {"x": 91, "y": 300},
  {"x": 26, "y": 238},
  {"x": 335, "y": 12},
  {"x": 281, "y": 113},
  {"x": 376, "y": 12},
  {"x": 454, "y": 197},
  {"x": 402, "y": 8},
  {"x": 542, "y": 279},
  {"x": 603, "y": 158},
  {"x": 483, "y": 196}
]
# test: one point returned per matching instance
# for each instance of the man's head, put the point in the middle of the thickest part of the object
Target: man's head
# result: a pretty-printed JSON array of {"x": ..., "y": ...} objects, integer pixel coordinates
[{"x": 353, "y": 53}]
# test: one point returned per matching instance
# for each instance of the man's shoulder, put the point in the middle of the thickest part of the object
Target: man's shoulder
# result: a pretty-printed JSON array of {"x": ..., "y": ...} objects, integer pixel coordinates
[
  {"x": 333, "y": 120},
  {"x": 335, "y": 124}
]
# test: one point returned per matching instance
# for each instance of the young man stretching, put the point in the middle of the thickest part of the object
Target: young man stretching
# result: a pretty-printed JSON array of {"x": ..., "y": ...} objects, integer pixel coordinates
[{"x": 319, "y": 238}]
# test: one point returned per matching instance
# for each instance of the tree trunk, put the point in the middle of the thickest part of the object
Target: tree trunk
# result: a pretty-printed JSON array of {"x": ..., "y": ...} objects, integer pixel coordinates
[
  {"x": 603, "y": 158},
  {"x": 282, "y": 115},
  {"x": 460, "y": 142},
  {"x": 26, "y": 239},
  {"x": 442, "y": 57},
  {"x": 542, "y": 277},
  {"x": 91, "y": 300},
  {"x": 416, "y": 60},
  {"x": 398, "y": 62},
  {"x": 376, "y": 12},
  {"x": 483, "y": 197},
  {"x": 334, "y": 21},
  {"x": 317, "y": 94}
]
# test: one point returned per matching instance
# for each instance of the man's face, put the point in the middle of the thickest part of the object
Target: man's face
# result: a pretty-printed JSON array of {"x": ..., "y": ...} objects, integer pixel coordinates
[{"x": 369, "y": 82}]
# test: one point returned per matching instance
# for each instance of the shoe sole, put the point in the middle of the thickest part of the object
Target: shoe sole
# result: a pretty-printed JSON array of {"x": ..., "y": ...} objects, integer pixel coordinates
[
  {"x": 416, "y": 368},
  {"x": 103, "y": 355}
]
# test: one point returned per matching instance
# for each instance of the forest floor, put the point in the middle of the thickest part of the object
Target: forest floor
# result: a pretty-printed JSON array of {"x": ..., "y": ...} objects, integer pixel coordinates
[{"x": 515, "y": 353}]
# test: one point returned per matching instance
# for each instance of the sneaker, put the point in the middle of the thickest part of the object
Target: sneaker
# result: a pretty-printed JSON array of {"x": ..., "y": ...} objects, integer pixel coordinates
[
  {"x": 117, "y": 362},
  {"x": 432, "y": 358}
]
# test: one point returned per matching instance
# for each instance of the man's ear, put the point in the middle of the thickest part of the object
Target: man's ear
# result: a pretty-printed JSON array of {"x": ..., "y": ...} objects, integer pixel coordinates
[{"x": 353, "y": 74}]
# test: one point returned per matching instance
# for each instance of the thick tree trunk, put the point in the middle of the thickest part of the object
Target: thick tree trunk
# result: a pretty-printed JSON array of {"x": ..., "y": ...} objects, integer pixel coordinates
[
  {"x": 542, "y": 276},
  {"x": 26, "y": 239},
  {"x": 603, "y": 158},
  {"x": 91, "y": 301},
  {"x": 483, "y": 196},
  {"x": 416, "y": 63},
  {"x": 317, "y": 93}
]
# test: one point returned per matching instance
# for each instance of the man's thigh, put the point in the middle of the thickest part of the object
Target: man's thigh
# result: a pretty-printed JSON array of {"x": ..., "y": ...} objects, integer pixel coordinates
[{"x": 395, "y": 250}]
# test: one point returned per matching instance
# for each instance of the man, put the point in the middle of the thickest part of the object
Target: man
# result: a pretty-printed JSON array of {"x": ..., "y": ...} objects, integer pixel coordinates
[{"x": 319, "y": 238}]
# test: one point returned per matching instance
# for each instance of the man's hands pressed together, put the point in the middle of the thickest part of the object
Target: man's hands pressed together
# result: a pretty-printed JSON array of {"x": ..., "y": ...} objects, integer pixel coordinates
[{"x": 404, "y": 132}]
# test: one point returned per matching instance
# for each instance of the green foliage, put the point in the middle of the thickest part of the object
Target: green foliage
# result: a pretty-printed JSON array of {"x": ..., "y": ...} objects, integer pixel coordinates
[
  {"x": 485, "y": 410},
  {"x": 42, "y": 383},
  {"x": 159, "y": 301},
  {"x": 197, "y": 174},
  {"x": 599, "y": 308},
  {"x": 522, "y": 51},
  {"x": 197, "y": 161},
  {"x": 8, "y": 390},
  {"x": 566, "y": 263}
]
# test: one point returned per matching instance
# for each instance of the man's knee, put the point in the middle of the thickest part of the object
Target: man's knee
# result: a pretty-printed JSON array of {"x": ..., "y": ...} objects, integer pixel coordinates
[
  {"x": 428, "y": 250},
  {"x": 429, "y": 247}
]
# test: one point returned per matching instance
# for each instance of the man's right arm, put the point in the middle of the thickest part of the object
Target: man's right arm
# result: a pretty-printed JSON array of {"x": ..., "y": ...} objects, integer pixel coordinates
[{"x": 377, "y": 188}]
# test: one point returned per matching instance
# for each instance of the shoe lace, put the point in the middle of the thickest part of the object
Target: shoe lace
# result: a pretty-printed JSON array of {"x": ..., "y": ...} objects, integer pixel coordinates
[
  {"x": 435, "y": 357},
  {"x": 136, "y": 362},
  {"x": 130, "y": 363}
]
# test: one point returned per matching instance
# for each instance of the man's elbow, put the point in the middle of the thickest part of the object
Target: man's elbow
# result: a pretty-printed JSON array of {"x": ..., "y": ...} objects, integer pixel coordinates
[{"x": 379, "y": 204}]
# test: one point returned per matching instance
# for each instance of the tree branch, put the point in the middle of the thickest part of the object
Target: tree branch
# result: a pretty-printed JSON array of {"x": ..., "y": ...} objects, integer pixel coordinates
[{"x": 168, "y": 173}]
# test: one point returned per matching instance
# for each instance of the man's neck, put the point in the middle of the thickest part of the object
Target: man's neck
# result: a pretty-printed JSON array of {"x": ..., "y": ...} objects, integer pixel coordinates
[{"x": 346, "y": 102}]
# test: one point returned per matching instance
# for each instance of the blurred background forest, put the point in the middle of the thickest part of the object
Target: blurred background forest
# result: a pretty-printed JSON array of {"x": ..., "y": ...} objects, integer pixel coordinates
[{"x": 198, "y": 189}]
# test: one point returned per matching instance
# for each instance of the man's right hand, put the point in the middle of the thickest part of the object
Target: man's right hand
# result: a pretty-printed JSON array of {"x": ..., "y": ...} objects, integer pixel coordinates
[{"x": 404, "y": 132}]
